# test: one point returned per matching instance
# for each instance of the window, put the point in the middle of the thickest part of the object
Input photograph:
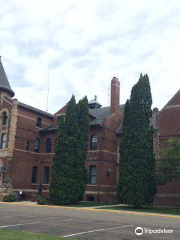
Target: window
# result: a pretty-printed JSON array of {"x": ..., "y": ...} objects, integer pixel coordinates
[
  {"x": 3, "y": 140},
  {"x": 92, "y": 174},
  {"x": 46, "y": 174},
  {"x": 34, "y": 174},
  {"x": 4, "y": 118},
  {"x": 48, "y": 145},
  {"x": 36, "y": 145},
  {"x": 27, "y": 145},
  {"x": 59, "y": 119},
  {"x": 90, "y": 198},
  {"x": 39, "y": 122},
  {"x": 93, "y": 142}
]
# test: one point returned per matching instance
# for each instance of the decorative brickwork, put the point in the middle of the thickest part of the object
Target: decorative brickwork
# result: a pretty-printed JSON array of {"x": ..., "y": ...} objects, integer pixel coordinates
[{"x": 19, "y": 155}]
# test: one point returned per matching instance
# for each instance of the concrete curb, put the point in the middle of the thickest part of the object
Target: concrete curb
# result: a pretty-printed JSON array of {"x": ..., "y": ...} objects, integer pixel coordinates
[{"x": 100, "y": 210}]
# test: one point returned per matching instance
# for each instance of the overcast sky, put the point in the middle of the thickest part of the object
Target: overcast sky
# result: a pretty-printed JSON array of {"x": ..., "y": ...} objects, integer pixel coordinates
[{"x": 82, "y": 44}]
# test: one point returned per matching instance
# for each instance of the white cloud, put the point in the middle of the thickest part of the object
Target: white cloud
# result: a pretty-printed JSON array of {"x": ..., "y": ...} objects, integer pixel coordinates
[{"x": 82, "y": 44}]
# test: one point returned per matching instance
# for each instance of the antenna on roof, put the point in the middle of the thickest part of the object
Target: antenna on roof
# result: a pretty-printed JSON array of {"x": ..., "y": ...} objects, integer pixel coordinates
[
  {"x": 108, "y": 96},
  {"x": 47, "y": 94}
]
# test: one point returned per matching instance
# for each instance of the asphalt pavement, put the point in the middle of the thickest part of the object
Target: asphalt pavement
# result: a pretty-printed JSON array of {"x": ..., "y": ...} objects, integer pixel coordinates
[{"x": 88, "y": 224}]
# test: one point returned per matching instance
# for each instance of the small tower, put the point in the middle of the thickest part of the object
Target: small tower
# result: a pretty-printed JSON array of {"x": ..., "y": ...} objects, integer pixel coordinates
[
  {"x": 94, "y": 103},
  {"x": 4, "y": 83}
]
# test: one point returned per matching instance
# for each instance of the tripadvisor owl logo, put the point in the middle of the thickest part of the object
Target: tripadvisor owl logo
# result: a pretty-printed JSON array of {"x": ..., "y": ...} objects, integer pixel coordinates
[{"x": 138, "y": 231}]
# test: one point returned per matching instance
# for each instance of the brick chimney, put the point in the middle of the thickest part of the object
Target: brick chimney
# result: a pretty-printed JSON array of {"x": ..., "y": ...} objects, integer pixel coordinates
[{"x": 115, "y": 94}]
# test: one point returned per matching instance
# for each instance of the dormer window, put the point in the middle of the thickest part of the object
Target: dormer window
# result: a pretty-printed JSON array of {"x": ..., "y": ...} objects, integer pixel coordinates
[
  {"x": 39, "y": 122},
  {"x": 4, "y": 118}
]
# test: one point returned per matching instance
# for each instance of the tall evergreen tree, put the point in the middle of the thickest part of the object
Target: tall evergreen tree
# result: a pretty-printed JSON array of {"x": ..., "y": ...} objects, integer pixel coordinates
[
  {"x": 136, "y": 185},
  {"x": 68, "y": 178},
  {"x": 83, "y": 123},
  {"x": 62, "y": 181},
  {"x": 124, "y": 148}
]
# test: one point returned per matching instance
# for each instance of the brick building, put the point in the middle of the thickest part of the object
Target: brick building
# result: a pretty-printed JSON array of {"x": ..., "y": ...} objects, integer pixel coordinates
[
  {"x": 28, "y": 138},
  {"x": 167, "y": 121}
]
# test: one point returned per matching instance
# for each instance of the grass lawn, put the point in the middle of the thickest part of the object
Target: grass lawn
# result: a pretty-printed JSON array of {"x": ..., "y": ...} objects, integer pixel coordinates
[
  {"x": 163, "y": 210},
  {"x": 7, "y": 234},
  {"x": 90, "y": 204}
]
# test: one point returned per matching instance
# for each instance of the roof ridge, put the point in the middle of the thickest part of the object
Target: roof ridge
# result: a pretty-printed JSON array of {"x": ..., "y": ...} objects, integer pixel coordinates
[
  {"x": 34, "y": 109},
  {"x": 170, "y": 100}
]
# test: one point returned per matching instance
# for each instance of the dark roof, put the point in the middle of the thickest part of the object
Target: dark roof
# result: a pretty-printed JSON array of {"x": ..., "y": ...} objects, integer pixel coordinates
[
  {"x": 35, "y": 109},
  {"x": 119, "y": 130},
  {"x": 4, "y": 83},
  {"x": 98, "y": 113},
  {"x": 101, "y": 113},
  {"x": 49, "y": 128}
]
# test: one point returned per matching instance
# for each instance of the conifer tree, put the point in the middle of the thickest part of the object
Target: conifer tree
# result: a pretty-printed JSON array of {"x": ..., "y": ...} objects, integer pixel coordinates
[
  {"x": 61, "y": 176},
  {"x": 68, "y": 178},
  {"x": 136, "y": 185},
  {"x": 83, "y": 123},
  {"x": 124, "y": 147},
  {"x": 64, "y": 188}
]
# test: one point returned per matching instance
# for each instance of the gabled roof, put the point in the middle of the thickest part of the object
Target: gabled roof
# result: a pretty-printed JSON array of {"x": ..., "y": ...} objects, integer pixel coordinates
[
  {"x": 101, "y": 113},
  {"x": 175, "y": 100},
  {"x": 98, "y": 114},
  {"x": 35, "y": 109},
  {"x": 4, "y": 83}
]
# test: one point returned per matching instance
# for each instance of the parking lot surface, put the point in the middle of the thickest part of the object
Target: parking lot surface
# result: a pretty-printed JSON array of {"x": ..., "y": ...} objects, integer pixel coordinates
[{"x": 88, "y": 224}]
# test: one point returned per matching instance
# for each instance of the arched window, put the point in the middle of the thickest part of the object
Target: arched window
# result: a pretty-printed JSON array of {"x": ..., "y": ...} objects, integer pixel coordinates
[
  {"x": 48, "y": 145},
  {"x": 92, "y": 174},
  {"x": 93, "y": 142},
  {"x": 34, "y": 174},
  {"x": 4, "y": 118},
  {"x": 3, "y": 140},
  {"x": 39, "y": 122},
  {"x": 36, "y": 145},
  {"x": 46, "y": 174}
]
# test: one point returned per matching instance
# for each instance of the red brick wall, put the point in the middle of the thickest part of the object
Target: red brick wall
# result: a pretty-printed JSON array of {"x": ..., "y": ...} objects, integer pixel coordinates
[
  {"x": 21, "y": 168},
  {"x": 104, "y": 158},
  {"x": 27, "y": 129},
  {"x": 169, "y": 126}
]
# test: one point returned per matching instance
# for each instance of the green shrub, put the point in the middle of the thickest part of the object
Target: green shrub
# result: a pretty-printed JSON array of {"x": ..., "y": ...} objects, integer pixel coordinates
[
  {"x": 9, "y": 198},
  {"x": 42, "y": 201}
]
